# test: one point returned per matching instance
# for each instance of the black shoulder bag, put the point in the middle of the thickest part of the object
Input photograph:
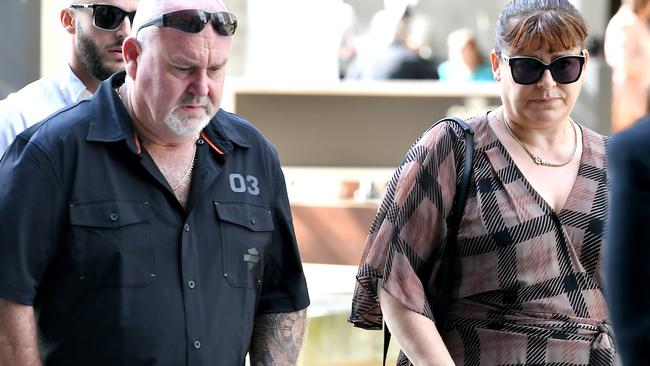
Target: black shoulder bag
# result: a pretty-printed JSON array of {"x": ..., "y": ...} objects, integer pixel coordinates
[{"x": 446, "y": 287}]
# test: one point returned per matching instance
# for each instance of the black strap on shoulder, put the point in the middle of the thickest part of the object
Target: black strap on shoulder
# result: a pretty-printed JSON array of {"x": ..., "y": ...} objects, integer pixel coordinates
[
  {"x": 440, "y": 311},
  {"x": 445, "y": 282},
  {"x": 463, "y": 184}
]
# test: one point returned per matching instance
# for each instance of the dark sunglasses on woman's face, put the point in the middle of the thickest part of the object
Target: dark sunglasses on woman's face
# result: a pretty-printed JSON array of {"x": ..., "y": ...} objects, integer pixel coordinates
[
  {"x": 107, "y": 17},
  {"x": 528, "y": 70},
  {"x": 193, "y": 21}
]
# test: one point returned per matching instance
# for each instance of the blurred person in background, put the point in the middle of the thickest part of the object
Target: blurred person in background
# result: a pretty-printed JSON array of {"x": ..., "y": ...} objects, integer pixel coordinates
[
  {"x": 96, "y": 33},
  {"x": 349, "y": 34},
  {"x": 146, "y": 225},
  {"x": 627, "y": 255},
  {"x": 627, "y": 51},
  {"x": 385, "y": 53},
  {"x": 525, "y": 273},
  {"x": 465, "y": 61}
]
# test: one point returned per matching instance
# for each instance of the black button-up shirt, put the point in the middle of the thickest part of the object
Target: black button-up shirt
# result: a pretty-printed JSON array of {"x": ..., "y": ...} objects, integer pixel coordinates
[{"x": 119, "y": 273}]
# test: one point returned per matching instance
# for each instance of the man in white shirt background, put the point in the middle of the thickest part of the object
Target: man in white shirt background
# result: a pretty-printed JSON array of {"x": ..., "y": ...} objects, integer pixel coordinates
[{"x": 96, "y": 33}]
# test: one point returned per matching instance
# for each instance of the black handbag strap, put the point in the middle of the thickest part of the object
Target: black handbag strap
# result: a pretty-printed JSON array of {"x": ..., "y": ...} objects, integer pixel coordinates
[{"x": 454, "y": 224}]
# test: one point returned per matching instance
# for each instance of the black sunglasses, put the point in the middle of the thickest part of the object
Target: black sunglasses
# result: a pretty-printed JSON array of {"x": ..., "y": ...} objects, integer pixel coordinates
[
  {"x": 107, "y": 17},
  {"x": 528, "y": 70},
  {"x": 193, "y": 21}
]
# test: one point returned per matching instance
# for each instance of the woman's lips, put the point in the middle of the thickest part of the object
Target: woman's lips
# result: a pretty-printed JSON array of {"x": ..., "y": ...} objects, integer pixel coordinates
[{"x": 545, "y": 100}]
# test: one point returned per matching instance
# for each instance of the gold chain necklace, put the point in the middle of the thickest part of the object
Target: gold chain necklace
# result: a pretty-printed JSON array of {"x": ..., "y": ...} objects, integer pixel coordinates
[
  {"x": 189, "y": 168},
  {"x": 188, "y": 172},
  {"x": 536, "y": 158}
]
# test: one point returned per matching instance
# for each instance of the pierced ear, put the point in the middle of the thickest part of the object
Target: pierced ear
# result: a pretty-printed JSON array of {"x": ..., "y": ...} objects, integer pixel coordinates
[
  {"x": 67, "y": 21},
  {"x": 131, "y": 52}
]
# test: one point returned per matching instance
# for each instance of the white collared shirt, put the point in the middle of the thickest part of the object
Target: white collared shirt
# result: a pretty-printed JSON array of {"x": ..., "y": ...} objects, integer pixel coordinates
[{"x": 38, "y": 100}]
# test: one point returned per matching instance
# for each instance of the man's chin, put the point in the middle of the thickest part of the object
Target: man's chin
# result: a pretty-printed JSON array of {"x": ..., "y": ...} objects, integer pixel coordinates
[
  {"x": 114, "y": 65},
  {"x": 188, "y": 127}
]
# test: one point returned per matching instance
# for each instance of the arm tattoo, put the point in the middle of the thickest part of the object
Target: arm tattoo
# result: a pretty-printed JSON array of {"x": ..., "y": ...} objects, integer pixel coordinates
[{"x": 277, "y": 338}]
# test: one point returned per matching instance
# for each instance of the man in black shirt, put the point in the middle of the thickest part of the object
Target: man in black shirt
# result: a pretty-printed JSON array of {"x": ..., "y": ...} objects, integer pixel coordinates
[{"x": 146, "y": 226}]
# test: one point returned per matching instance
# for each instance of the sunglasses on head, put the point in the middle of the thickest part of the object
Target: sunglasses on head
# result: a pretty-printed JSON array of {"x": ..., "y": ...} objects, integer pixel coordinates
[
  {"x": 107, "y": 17},
  {"x": 193, "y": 21},
  {"x": 528, "y": 70}
]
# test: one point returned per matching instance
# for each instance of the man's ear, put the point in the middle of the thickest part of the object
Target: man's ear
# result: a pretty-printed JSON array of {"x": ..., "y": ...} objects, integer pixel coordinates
[
  {"x": 131, "y": 51},
  {"x": 67, "y": 20},
  {"x": 496, "y": 62}
]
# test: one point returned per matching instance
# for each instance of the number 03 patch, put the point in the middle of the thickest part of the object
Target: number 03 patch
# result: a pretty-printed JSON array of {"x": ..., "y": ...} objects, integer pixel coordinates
[{"x": 241, "y": 184}]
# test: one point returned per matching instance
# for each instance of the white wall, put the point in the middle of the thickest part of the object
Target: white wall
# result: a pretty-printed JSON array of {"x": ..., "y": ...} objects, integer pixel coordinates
[{"x": 292, "y": 39}]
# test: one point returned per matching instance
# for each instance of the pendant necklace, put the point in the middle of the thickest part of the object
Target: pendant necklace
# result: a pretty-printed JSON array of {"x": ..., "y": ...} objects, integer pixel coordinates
[{"x": 536, "y": 158}]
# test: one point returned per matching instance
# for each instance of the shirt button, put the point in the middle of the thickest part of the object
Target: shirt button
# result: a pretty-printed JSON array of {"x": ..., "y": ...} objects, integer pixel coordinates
[
  {"x": 200, "y": 141},
  {"x": 197, "y": 344},
  {"x": 253, "y": 220},
  {"x": 187, "y": 227},
  {"x": 114, "y": 216},
  {"x": 191, "y": 284}
]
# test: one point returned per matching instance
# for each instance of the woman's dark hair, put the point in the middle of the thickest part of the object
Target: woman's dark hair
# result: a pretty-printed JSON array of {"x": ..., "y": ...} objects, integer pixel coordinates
[{"x": 556, "y": 24}]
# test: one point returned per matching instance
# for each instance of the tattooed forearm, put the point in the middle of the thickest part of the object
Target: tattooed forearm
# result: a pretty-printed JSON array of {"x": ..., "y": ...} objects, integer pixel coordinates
[{"x": 277, "y": 338}]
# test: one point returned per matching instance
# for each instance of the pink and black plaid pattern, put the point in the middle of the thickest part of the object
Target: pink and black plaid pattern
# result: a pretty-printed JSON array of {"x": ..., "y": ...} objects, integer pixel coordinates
[{"x": 527, "y": 287}]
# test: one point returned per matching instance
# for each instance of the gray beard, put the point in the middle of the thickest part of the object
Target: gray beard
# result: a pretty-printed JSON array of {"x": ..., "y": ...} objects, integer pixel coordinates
[{"x": 182, "y": 127}]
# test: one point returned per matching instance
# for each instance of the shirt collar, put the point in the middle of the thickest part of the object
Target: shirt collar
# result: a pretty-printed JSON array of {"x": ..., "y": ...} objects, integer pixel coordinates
[
  {"x": 224, "y": 130},
  {"x": 111, "y": 122},
  {"x": 69, "y": 85}
]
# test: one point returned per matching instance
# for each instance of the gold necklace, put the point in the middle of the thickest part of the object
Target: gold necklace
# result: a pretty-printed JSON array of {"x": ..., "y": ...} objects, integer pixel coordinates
[
  {"x": 188, "y": 172},
  {"x": 536, "y": 158},
  {"x": 189, "y": 168}
]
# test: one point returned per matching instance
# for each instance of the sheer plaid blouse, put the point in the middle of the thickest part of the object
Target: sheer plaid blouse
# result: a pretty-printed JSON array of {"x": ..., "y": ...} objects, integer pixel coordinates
[{"x": 527, "y": 284}]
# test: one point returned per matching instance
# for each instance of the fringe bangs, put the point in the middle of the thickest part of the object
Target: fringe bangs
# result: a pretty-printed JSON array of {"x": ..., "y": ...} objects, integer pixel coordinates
[{"x": 556, "y": 31}]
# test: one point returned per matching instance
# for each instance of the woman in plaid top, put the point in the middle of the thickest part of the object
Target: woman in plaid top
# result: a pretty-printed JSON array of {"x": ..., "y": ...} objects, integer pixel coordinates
[{"x": 526, "y": 279}]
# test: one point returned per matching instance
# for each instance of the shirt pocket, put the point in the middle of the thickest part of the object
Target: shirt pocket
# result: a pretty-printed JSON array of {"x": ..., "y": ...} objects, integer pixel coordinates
[
  {"x": 246, "y": 233},
  {"x": 112, "y": 242}
]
